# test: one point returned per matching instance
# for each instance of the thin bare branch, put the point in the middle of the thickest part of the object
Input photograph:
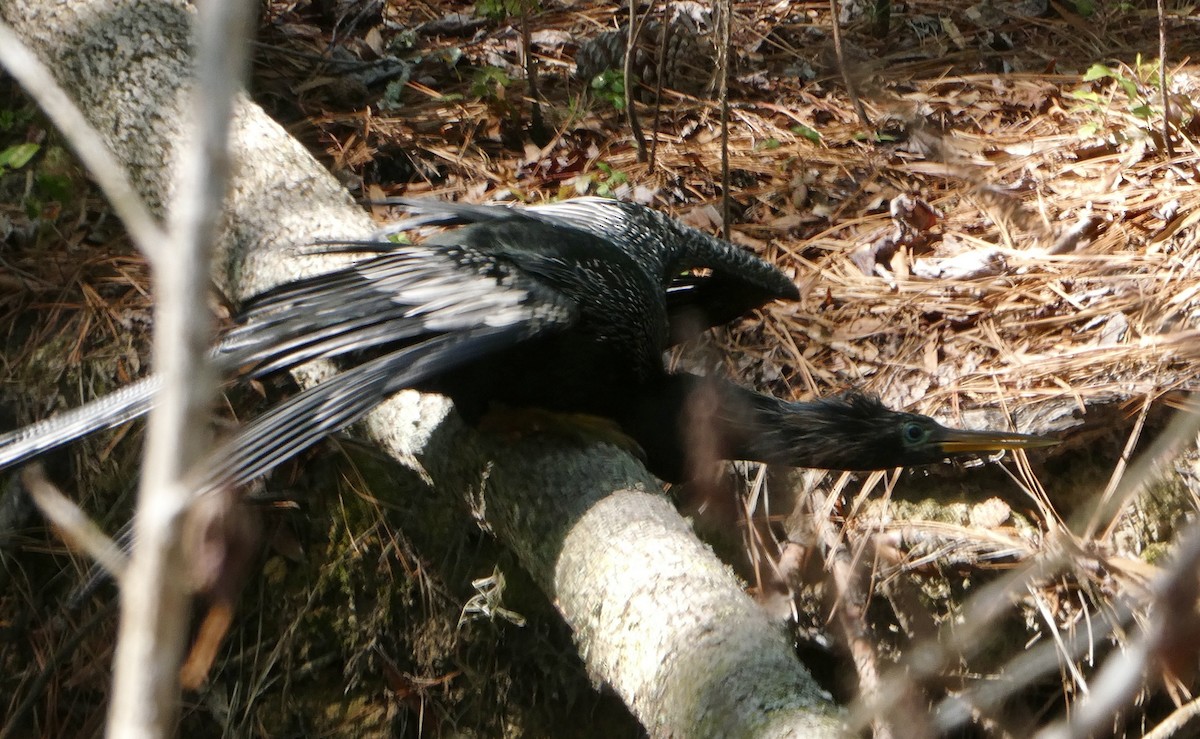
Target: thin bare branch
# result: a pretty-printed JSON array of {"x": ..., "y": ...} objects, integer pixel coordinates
[
  {"x": 74, "y": 525},
  {"x": 724, "y": 38},
  {"x": 155, "y": 595},
  {"x": 1162, "y": 79},
  {"x": 1179, "y": 720},
  {"x": 636, "y": 24},
  {"x": 851, "y": 86}
]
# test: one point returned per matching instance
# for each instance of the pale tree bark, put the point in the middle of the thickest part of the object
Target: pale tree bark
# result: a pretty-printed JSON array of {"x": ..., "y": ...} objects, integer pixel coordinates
[{"x": 655, "y": 614}]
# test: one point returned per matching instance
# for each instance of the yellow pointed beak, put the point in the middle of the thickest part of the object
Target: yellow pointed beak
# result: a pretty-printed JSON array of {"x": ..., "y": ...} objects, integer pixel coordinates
[{"x": 957, "y": 441}]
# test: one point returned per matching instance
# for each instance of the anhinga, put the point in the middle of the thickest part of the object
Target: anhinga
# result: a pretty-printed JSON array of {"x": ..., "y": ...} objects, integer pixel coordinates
[{"x": 566, "y": 307}]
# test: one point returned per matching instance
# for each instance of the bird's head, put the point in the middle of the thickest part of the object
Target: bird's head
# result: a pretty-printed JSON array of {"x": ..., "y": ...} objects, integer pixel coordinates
[{"x": 857, "y": 432}]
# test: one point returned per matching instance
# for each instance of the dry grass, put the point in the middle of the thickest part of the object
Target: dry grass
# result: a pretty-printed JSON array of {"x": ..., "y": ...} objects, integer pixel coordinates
[{"x": 996, "y": 591}]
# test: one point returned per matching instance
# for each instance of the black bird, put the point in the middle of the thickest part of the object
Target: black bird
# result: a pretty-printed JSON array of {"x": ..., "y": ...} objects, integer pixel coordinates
[{"x": 566, "y": 307}]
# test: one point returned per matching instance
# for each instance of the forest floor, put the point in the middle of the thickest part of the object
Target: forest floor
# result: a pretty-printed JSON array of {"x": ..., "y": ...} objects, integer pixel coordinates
[{"x": 1013, "y": 240}]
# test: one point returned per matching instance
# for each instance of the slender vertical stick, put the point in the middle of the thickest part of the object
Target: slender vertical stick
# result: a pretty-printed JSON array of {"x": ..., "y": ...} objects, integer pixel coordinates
[
  {"x": 1162, "y": 78},
  {"x": 635, "y": 31},
  {"x": 725, "y": 38},
  {"x": 851, "y": 86},
  {"x": 155, "y": 596}
]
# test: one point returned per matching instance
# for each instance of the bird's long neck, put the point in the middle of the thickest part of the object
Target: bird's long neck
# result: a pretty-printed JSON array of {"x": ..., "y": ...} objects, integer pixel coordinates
[{"x": 687, "y": 420}]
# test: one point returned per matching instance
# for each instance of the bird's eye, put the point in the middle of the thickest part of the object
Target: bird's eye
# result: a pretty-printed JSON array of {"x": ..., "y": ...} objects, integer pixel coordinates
[{"x": 914, "y": 433}]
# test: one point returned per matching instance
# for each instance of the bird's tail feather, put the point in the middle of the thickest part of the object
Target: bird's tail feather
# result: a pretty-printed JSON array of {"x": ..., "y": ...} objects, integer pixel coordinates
[
  {"x": 111, "y": 410},
  {"x": 305, "y": 419}
]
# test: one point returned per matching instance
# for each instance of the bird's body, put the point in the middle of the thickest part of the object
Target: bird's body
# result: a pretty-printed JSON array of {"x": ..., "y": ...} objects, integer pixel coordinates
[
  {"x": 594, "y": 290},
  {"x": 618, "y": 324},
  {"x": 565, "y": 307}
]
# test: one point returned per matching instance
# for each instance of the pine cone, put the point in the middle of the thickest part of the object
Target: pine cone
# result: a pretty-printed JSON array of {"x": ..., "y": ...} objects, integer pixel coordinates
[{"x": 688, "y": 65}]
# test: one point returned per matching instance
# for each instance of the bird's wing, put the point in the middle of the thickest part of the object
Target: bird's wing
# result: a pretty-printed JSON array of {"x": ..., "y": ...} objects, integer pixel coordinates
[
  {"x": 395, "y": 297},
  {"x": 431, "y": 308},
  {"x": 709, "y": 281}
]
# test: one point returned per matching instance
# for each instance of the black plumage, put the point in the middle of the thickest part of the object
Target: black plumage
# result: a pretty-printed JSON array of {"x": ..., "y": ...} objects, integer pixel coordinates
[
  {"x": 684, "y": 415},
  {"x": 565, "y": 306}
]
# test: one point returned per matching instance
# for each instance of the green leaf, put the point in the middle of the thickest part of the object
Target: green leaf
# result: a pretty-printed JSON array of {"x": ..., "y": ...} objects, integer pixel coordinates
[
  {"x": 17, "y": 156},
  {"x": 808, "y": 133},
  {"x": 488, "y": 82},
  {"x": 1088, "y": 130},
  {"x": 1130, "y": 87},
  {"x": 55, "y": 187},
  {"x": 1142, "y": 111},
  {"x": 393, "y": 94},
  {"x": 609, "y": 86},
  {"x": 1098, "y": 72}
]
